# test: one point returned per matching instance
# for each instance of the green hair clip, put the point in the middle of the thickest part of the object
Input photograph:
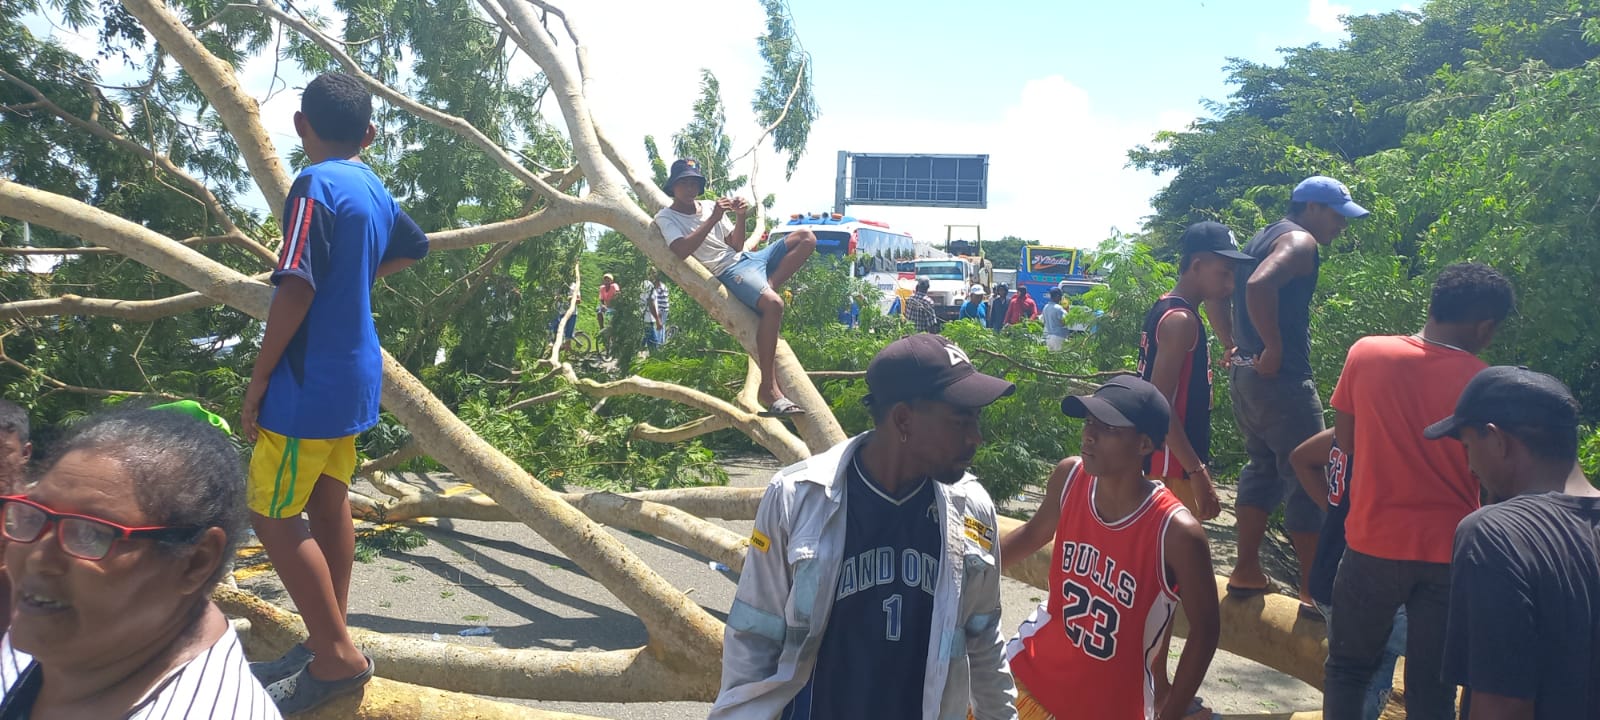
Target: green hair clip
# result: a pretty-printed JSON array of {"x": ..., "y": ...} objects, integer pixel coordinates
[{"x": 193, "y": 409}]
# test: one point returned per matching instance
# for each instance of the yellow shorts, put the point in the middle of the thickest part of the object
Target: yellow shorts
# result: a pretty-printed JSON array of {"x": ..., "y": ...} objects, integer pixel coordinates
[
  {"x": 1027, "y": 707},
  {"x": 284, "y": 470}
]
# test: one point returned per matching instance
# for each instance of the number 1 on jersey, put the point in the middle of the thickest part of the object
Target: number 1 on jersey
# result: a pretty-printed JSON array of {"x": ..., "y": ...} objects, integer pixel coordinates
[{"x": 891, "y": 609}]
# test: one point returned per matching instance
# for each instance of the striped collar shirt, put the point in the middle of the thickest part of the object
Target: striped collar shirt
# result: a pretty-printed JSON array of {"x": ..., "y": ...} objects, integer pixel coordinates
[{"x": 215, "y": 685}]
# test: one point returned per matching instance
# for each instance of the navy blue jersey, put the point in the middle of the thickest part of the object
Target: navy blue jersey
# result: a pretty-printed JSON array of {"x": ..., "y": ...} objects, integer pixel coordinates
[{"x": 874, "y": 651}]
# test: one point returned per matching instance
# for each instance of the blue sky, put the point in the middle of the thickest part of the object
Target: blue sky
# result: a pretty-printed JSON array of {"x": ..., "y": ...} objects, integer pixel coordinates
[{"x": 1055, "y": 92}]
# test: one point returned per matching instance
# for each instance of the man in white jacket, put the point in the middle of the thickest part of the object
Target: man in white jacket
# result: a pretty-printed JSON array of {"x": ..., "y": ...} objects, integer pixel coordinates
[{"x": 871, "y": 589}]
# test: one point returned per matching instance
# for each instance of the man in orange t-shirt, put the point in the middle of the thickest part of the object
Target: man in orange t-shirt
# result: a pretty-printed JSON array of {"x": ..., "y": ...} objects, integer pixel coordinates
[{"x": 1413, "y": 492}]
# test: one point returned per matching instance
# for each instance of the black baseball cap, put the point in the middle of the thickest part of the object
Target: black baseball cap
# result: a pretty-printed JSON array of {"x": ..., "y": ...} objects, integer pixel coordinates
[
  {"x": 1125, "y": 401},
  {"x": 927, "y": 366},
  {"x": 1509, "y": 396},
  {"x": 685, "y": 168},
  {"x": 1213, "y": 237}
]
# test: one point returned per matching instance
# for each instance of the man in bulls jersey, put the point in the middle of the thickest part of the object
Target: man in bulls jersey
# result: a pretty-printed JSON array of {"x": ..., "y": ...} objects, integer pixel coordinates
[
  {"x": 1125, "y": 554},
  {"x": 1175, "y": 356},
  {"x": 871, "y": 589}
]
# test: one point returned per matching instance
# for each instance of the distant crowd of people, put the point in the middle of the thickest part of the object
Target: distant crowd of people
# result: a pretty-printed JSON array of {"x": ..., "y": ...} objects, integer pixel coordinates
[{"x": 871, "y": 584}]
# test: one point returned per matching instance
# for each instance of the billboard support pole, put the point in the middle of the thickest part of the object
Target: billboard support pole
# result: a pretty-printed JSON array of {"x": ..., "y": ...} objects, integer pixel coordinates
[{"x": 839, "y": 182}]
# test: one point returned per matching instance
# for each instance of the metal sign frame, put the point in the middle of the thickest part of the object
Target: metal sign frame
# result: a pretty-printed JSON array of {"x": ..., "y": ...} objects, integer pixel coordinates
[{"x": 912, "y": 180}]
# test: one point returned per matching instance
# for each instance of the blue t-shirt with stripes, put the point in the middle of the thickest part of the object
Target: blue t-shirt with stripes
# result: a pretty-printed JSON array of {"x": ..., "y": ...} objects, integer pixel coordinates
[{"x": 340, "y": 224}]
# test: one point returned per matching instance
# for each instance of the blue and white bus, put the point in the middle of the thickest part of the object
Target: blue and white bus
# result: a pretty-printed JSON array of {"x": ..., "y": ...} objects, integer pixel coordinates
[{"x": 874, "y": 248}]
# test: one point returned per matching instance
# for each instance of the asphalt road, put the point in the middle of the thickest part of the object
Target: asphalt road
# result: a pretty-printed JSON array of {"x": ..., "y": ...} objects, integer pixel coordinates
[{"x": 504, "y": 577}]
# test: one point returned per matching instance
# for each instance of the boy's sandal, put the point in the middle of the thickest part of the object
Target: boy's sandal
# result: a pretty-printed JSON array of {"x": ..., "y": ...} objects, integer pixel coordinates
[
  {"x": 1198, "y": 710},
  {"x": 781, "y": 407},
  {"x": 302, "y": 691},
  {"x": 292, "y": 662}
]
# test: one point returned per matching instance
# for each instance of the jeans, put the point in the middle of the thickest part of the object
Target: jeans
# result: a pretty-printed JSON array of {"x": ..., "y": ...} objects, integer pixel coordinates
[
  {"x": 1383, "y": 677},
  {"x": 1368, "y": 591}
]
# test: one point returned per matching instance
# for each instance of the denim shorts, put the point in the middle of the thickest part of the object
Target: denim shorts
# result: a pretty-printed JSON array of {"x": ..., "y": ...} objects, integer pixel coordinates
[
  {"x": 747, "y": 277},
  {"x": 1275, "y": 415}
]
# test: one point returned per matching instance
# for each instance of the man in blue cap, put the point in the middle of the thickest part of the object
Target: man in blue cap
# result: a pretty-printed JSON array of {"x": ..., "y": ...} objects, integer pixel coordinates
[
  {"x": 691, "y": 227},
  {"x": 1275, "y": 399}
]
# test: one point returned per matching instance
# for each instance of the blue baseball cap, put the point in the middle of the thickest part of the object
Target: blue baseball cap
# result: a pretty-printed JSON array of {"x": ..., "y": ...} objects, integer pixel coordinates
[{"x": 1330, "y": 192}]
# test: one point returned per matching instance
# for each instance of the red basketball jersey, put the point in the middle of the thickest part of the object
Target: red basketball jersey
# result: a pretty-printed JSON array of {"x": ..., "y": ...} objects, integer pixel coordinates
[{"x": 1085, "y": 651}]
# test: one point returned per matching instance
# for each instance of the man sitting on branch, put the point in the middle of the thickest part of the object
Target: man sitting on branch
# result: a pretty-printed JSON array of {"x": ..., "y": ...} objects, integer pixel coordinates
[{"x": 691, "y": 227}]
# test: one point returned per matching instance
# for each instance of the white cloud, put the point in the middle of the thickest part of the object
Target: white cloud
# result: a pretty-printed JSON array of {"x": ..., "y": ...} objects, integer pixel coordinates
[{"x": 1324, "y": 15}]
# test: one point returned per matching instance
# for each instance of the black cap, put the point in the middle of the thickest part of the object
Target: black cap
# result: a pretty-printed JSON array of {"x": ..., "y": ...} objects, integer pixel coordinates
[
  {"x": 1212, "y": 237},
  {"x": 684, "y": 168},
  {"x": 1125, "y": 401},
  {"x": 926, "y": 366},
  {"x": 1509, "y": 396}
]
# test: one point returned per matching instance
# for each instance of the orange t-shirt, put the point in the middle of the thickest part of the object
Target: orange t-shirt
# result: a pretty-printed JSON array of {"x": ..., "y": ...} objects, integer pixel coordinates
[{"x": 1413, "y": 491}]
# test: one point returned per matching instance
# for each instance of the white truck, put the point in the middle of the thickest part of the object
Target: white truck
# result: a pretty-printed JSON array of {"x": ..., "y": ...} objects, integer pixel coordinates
[{"x": 949, "y": 279}]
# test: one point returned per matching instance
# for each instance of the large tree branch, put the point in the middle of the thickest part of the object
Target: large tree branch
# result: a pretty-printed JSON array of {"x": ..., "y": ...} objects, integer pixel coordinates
[
  {"x": 679, "y": 433},
  {"x": 134, "y": 310},
  {"x": 239, "y": 239},
  {"x": 411, "y": 502},
  {"x": 635, "y": 675},
  {"x": 547, "y": 219},
  {"x": 239, "y": 112},
  {"x": 201, "y": 193},
  {"x": 769, "y": 433},
  {"x": 394, "y": 97}
]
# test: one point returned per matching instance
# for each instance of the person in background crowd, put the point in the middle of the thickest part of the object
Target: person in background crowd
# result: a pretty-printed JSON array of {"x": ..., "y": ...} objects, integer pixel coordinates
[
  {"x": 16, "y": 446},
  {"x": 608, "y": 292},
  {"x": 1523, "y": 636},
  {"x": 657, "y": 301},
  {"x": 870, "y": 590},
  {"x": 693, "y": 228},
  {"x": 1022, "y": 308},
  {"x": 1055, "y": 321},
  {"x": 16, "y": 449},
  {"x": 919, "y": 309},
  {"x": 1411, "y": 493},
  {"x": 975, "y": 307},
  {"x": 1175, "y": 356},
  {"x": 998, "y": 307},
  {"x": 114, "y": 553},
  {"x": 1275, "y": 399},
  {"x": 1124, "y": 553},
  {"x": 1324, "y": 472}
]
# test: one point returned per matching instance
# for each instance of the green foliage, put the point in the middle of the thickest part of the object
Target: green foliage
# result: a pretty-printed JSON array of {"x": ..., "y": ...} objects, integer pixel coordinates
[
  {"x": 785, "y": 100},
  {"x": 1468, "y": 129}
]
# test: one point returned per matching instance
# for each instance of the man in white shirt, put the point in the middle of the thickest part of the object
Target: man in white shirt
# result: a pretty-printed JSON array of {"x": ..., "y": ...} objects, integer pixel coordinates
[{"x": 692, "y": 227}]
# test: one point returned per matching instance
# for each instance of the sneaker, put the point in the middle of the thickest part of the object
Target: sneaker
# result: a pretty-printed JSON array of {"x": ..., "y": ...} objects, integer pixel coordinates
[
  {"x": 302, "y": 691},
  {"x": 292, "y": 662}
]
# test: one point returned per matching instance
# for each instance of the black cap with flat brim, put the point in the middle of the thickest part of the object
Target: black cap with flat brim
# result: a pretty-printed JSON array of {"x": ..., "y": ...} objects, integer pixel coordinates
[
  {"x": 1125, "y": 401},
  {"x": 926, "y": 366},
  {"x": 1212, "y": 237},
  {"x": 1509, "y": 396}
]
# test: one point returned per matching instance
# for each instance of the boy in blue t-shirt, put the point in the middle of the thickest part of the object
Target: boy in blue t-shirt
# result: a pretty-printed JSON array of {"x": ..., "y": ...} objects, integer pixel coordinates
[{"x": 315, "y": 383}]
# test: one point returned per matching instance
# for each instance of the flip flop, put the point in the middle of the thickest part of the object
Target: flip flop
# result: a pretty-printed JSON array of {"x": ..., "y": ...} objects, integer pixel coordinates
[
  {"x": 782, "y": 407},
  {"x": 1244, "y": 593},
  {"x": 1310, "y": 612},
  {"x": 1198, "y": 710},
  {"x": 302, "y": 691},
  {"x": 272, "y": 671}
]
